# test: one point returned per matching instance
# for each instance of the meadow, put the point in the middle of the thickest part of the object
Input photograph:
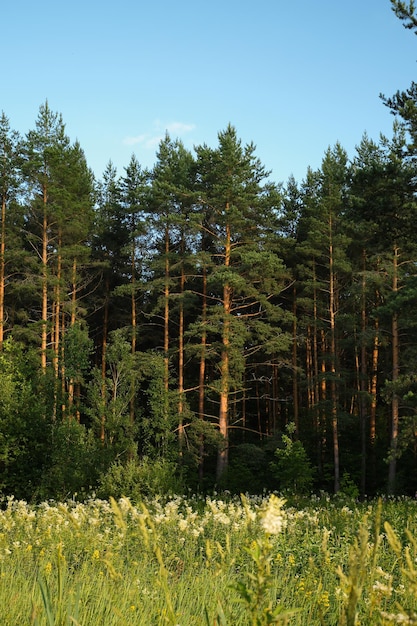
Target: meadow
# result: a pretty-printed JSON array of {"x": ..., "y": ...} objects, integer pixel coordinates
[{"x": 209, "y": 561}]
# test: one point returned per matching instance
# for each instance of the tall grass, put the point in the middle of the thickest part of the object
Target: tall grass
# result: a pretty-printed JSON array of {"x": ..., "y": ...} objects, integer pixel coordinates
[{"x": 248, "y": 561}]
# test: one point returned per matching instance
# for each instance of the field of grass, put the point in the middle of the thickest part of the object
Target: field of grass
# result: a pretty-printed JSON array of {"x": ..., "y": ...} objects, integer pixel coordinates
[{"x": 209, "y": 561}]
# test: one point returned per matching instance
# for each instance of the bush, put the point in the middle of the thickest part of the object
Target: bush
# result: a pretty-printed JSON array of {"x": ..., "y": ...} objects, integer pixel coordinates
[
  {"x": 247, "y": 470},
  {"x": 292, "y": 468},
  {"x": 137, "y": 479}
]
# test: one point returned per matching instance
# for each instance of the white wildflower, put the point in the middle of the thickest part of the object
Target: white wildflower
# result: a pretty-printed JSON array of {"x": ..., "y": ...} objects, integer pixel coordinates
[{"x": 273, "y": 520}]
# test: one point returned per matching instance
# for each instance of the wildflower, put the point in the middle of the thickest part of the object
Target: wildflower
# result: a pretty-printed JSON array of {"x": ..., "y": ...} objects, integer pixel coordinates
[
  {"x": 382, "y": 588},
  {"x": 96, "y": 555},
  {"x": 324, "y": 600},
  {"x": 273, "y": 520},
  {"x": 48, "y": 568},
  {"x": 398, "y": 618}
]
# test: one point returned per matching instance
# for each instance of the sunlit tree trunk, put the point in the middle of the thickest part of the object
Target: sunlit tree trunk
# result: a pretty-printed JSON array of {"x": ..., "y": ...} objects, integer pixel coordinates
[
  {"x": 56, "y": 325},
  {"x": 134, "y": 323},
  {"x": 223, "y": 452},
  {"x": 373, "y": 393},
  {"x": 44, "y": 336},
  {"x": 2, "y": 266},
  {"x": 202, "y": 371},
  {"x": 166, "y": 325},
  {"x": 181, "y": 364},
  {"x": 104, "y": 361},
  {"x": 294, "y": 364},
  {"x": 333, "y": 386},
  {"x": 395, "y": 375}
]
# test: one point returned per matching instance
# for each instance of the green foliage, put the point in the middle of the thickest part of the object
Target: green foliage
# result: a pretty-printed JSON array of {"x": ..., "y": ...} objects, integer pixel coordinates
[
  {"x": 158, "y": 419},
  {"x": 348, "y": 487},
  {"x": 140, "y": 478},
  {"x": 292, "y": 468},
  {"x": 24, "y": 432},
  {"x": 78, "y": 348},
  {"x": 191, "y": 261},
  {"x": 72, "y": 463},
  {"x": 247, "y": 472}
]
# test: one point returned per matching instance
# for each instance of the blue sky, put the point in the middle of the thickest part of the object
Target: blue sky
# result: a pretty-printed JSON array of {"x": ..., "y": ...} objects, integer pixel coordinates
[{"x": 294, "y": 77}]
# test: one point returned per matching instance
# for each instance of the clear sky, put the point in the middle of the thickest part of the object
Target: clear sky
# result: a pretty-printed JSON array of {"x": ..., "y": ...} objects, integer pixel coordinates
[{"x": 293, "y": 76}]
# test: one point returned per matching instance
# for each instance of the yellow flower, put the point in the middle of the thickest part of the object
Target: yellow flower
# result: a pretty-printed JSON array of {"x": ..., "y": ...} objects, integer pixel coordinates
[
  {"x": 324, "y": 599},
  {"x": 48, "y": 567},
  {"x": 96, "y": 555}
]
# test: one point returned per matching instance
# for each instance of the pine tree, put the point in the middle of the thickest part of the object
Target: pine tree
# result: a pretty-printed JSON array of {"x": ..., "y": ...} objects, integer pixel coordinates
[
  {"x": 322, "y": 238},
  {"x": 173, "y": 228},
  {"x": 246, "y": 273},
  {"x": 46, "y": 149},
  {"x": 384, "y": 214},
  {"x": 10, "y": 153}
]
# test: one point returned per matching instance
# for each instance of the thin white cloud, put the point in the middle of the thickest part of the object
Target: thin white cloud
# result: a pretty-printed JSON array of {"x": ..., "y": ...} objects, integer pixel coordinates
[
  {"x": 151, "y": 140},
  {"x": 179, "y": 128},
  {"x": 132, "y": 141}
]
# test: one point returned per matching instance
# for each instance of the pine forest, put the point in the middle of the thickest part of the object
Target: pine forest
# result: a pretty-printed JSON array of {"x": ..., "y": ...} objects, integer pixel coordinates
[{"x": 199, "y": 326}]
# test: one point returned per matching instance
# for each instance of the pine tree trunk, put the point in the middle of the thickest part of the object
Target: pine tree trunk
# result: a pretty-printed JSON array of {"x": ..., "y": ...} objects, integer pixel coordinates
[
  {"x": 294, "y": 365},
  {"x": 166, "y": 328},
  {"x": 202, "y": 373},
  {"x": 104, "y": 361},
  {"x": 134, "y": 331},
  {"x": 2, "y": 267},
  {"x": 74, "y": 388},
  {"x": 56, "y": 327},
  {"x": 223, "y": 452},
  {"x": 333, "y": 386},
  {"x": 181, "y": 365},
  {"x": 363, "y": 377},
  {"x": 373, "y": 393},
  {"x": 44, "y": 337},
  {"x": 395, "y": 399}
]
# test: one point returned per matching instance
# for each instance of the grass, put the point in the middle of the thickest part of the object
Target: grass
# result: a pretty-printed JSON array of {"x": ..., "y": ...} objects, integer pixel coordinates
[{"x": 193, "y": 561}]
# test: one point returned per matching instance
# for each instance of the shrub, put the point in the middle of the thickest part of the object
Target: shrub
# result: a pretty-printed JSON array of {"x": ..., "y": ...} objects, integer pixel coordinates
[
  {"x": 292, "y": 468},
  {"x": 137, "y": 479}
]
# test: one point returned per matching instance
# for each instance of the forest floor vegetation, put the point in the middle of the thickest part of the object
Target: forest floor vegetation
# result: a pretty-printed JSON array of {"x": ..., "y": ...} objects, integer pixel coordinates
[{"x": 209, "y": 561}]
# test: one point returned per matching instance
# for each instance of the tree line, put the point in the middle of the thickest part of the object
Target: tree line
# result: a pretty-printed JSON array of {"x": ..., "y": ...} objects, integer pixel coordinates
[{"x": 201, "y": 325}]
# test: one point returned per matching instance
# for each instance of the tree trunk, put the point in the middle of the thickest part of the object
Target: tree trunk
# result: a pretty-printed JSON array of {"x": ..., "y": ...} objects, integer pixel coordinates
[
  {"x": 333, "y": 386},
  {"x": 44, "y": 337},
  {"x": 56, "y": 327},
  {"x": 134, "y": 331},
  {"x": 181, "y": 365},
  {"x": 373, "y": 393},
  {"x": 363, "y": 404},
  {"x": 395, "y": 374},
  {"x": 223, "y": 452},
  {"x": 104, "y": 361},
  {"x": 294, "y": 365},
  {"x": 202, "y": 373},
  {"x": 2, "y": 267},
  {"x": 166, "y": 329}
]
